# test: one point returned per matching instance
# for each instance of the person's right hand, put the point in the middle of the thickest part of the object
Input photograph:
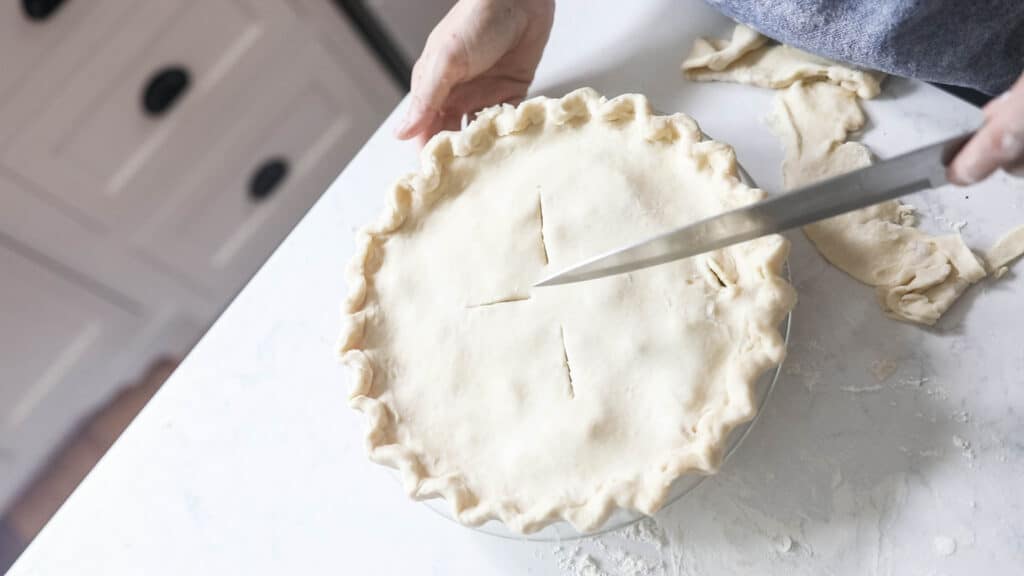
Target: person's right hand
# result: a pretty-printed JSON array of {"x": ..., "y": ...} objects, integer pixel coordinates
[
  {"x": 998, "y": 144},
  {"x": 483, "y": 52}
]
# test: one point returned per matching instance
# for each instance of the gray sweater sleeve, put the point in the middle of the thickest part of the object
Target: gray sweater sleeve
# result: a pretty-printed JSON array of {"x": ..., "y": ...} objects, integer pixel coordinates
[{"x": 978, "y": 44}]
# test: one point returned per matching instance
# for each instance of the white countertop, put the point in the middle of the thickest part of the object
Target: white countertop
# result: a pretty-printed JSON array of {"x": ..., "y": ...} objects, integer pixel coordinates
[{"x": 249, "y": 460}]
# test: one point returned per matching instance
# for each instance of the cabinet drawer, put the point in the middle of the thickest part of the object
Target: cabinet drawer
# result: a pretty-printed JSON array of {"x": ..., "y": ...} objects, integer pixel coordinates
[
  {"x": 59, "y": 352},
  {"x": 250, "y": 190},
  {"x": 37, "y": 56},
  {"x": 114, "y": 117}
]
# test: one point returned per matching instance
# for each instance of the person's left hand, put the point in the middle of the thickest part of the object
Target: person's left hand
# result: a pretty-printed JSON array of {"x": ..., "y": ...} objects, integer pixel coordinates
[
  {"x": 998, "y": 144},
  {"x": 482, "y": 53}
]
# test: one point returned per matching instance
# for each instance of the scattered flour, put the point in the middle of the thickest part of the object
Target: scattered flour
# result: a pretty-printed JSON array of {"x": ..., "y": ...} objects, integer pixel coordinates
[
  {"x": 955, "y": 226},
  {"x": 944, "y": 545},
  {"x": 576, "y": 562},
  {"x": 587, "y": 566},
  {"x": 860, "y": 389},
  {"x": 784, "y": 544},
  {"x": 645, "y": 531},
  {"x": 965, "y": 446},
  {"x": 636, "y": 550},
  {"x": 725, "y": 532},
  {"x": 633, "y": 565},
  {"x": 913, "y": 382}
]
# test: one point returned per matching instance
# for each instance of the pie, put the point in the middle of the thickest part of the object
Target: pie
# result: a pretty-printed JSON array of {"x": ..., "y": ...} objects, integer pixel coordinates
[{"x": 533, "y": 405}]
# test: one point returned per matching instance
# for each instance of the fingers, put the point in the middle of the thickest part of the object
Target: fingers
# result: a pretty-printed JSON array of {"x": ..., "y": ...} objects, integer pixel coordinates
[
  {"x": 477, "y": 37},
  {"x": 437, "y": 71},
  {"x": 429, "y": 129},
  {"x": 472, "y": 96},
  {"x": 445, "y": 122},
  {"x": 993, "y": 147},
  {"x": 998, "y": 144}
]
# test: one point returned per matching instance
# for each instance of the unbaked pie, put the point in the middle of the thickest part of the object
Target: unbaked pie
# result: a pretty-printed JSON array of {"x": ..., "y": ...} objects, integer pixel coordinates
[{"x": 530, "y": 405}]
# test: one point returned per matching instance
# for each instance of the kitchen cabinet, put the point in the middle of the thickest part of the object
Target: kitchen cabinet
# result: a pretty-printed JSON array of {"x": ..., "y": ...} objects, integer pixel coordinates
[
  {"x": 60, "y": 333},
  {"x": 152, "y": 155}
]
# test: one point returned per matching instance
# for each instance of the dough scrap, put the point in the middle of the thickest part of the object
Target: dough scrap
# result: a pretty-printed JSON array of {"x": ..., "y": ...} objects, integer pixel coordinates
[
  {"x": 814, "y": 121},
  {"x": 569, "y": 401},
  {"x": 749, "y": 58},
  {"x": 917, "y": 277},
  {"x": 714, "y": 54},
  {"x": 1005, "y": 251}
]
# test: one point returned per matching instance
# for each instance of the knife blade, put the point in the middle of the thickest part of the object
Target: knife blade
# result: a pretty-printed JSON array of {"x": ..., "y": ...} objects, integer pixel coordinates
[{"x": 904, "y": 174}]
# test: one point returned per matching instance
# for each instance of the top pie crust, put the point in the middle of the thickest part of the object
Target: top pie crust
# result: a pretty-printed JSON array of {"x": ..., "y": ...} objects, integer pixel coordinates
[{"x": 532, "y": 405}]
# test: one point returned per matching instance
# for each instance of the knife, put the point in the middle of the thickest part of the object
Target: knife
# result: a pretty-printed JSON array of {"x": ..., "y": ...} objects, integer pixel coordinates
[{"x": 904, "y": 174}]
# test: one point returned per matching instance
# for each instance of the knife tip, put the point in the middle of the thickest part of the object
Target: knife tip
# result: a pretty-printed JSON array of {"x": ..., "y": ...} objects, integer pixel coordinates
[{"x": 552, "y": 280}]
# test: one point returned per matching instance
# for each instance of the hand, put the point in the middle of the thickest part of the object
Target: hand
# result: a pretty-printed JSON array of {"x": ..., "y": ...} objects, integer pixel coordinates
[
  {"x": 998, "y": 144},
  {"x": 483, "y": 52}
]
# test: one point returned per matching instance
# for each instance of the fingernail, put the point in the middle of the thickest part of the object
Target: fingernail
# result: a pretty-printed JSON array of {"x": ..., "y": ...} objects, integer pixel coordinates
[{"x": 400, "y": 130}]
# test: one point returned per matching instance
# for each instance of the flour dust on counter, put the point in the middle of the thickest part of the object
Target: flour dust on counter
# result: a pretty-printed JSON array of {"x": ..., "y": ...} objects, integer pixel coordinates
[
  {"x": 636, "y": 550},
  {"x": 847, "y": 523},
  {"x": 721, "y": 530},
  {"x": 917, "y": 277}
]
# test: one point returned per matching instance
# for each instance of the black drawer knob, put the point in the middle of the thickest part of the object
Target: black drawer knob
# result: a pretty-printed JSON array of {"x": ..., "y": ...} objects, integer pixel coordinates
[
  {"x": 267, "y": 177},
  {"x": 39, "y": 10},
  {"x": 164, "y": 89}
]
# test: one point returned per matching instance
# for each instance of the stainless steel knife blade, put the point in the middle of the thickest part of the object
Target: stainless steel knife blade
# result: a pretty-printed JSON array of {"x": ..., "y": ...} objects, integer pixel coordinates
[{"x": 904, "y": 174}]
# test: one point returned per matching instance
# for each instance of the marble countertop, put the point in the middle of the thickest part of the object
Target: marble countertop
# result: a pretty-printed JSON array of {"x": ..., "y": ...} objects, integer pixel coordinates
[{"x": 886, "y": 447}]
